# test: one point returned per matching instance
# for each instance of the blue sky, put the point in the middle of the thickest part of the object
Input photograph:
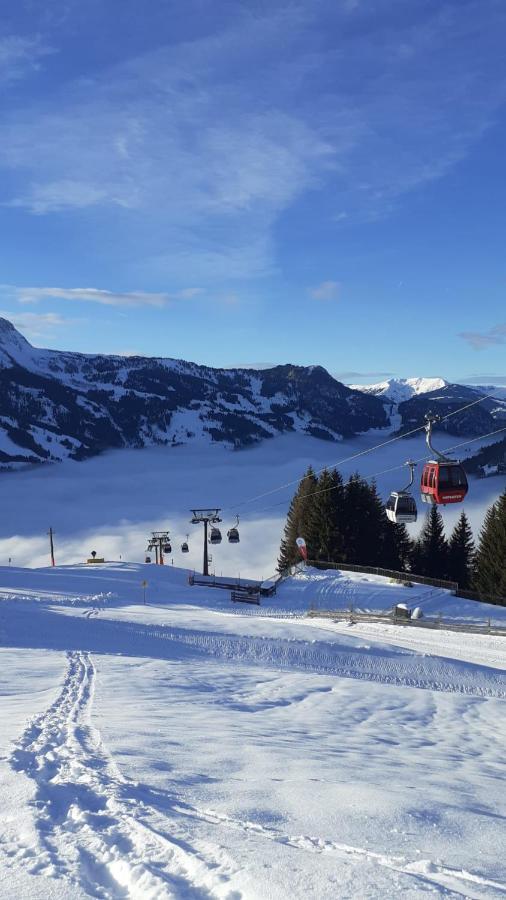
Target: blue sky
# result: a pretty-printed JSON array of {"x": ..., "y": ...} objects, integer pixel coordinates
[{"x": 258, "y": 182}]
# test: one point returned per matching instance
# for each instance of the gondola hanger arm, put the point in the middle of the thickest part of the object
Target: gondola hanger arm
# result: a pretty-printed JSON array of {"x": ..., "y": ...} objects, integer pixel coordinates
[{"x": 430, "y": 420}]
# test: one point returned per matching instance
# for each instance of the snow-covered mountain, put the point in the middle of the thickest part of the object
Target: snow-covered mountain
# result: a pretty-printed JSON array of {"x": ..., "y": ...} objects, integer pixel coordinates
[
  {"x": 407, "y": 400},
  {"x": 400, "y": 389},
  {"x": 57, "y": 404}
]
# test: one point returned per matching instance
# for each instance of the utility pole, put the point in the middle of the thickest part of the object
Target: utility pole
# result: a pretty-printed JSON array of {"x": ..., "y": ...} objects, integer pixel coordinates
[
  {"x": 206, "y": 516},
  {"x": 51, "y": 546}
]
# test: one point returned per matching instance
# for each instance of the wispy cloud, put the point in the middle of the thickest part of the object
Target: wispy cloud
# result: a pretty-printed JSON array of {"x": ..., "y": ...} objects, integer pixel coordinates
[
  {"x": 91, "y": 295},
  {"x": 480, "y": 340},
  {"x": 486, "y": 378},
  {"x": 36, "y": 325},
  {"x": 189, "y": 293},
  {"x": 66, "y": 193},
  {"x": 95, "y": 295},
  {"x": 327, "y": 290},
  {"x": 205, "y": 143},
  {"x": 21, "y": 55},
  {"x": 348, "y": 375}
]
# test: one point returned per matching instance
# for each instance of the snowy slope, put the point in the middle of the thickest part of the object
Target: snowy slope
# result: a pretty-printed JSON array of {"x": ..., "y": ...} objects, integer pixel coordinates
[{"x": 177, "y": 749}]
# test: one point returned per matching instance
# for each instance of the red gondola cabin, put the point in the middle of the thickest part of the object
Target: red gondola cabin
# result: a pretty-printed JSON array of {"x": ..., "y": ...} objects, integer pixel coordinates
[{"x": 443, "y": 482}]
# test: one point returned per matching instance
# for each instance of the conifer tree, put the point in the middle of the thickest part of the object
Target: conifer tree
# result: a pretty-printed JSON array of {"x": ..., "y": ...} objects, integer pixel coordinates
[
  {"x": 325, "y": 525},
  {"x": 430, "y": 552},
  {"x": 491, "y": 556},
  {"x": 297, "y": 520},
  {"x": 363, "y": 523},
  {"x": 461, "y": 553},
  {"x": 397, "y": 546}
]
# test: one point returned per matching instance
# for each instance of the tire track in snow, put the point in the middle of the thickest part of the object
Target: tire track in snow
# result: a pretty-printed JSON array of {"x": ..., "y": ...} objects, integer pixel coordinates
[{"x": 94, "y": 828}]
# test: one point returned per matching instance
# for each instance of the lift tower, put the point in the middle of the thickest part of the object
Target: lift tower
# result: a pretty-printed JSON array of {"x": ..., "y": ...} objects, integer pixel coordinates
[{"x": 206, "y": 516}]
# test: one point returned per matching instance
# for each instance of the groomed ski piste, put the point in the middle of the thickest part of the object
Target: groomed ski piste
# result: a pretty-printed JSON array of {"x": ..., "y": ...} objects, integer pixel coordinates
[{"x": 187, "y": 747}]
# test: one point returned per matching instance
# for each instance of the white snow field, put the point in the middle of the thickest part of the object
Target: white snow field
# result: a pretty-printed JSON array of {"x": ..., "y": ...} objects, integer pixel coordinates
[
  {"x": 189, "y": 748},
  {"x": 112, "y": 502}
]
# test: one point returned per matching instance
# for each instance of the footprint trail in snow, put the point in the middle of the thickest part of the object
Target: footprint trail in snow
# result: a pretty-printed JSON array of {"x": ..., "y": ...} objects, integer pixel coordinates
[{"x": 93, "y": 827}]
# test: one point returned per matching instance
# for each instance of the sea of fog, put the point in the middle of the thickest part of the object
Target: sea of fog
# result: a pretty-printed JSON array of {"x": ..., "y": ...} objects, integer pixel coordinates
[{"x": 112, "y": 502}]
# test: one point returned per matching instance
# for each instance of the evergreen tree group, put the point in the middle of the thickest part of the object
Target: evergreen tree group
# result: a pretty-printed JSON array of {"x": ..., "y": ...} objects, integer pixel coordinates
[
  {"x": 342, "y": 522},
  {"x": 490, "y": 577},
  {"x": 346, "y": 522}
]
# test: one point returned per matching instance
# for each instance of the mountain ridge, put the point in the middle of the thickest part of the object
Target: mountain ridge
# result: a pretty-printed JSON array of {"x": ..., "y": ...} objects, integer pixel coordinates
[{"x": 57, "y": 404}]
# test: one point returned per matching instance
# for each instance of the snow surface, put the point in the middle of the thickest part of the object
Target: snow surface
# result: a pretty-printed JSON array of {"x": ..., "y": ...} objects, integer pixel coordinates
[{"x": 183, "y": 749}]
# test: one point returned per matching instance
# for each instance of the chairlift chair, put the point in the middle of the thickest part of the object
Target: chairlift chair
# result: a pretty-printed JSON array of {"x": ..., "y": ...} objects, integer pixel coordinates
[
  {"x": 401, "y": 506},
  {"x": 184, "y": 546},
  {"x": 147, "y": 559},
  {"x": 443, "y": 480}
]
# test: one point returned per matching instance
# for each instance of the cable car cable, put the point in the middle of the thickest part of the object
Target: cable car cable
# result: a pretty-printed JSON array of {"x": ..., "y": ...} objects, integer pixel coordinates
[
  {"x": 362, "y": 452},
  {"x": 377, "y": 474}
]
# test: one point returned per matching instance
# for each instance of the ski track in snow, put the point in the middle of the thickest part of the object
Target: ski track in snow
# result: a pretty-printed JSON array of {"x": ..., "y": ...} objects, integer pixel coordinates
[
  {"x": 93, "y": 828},
  {"x": 109, "y": 837}
]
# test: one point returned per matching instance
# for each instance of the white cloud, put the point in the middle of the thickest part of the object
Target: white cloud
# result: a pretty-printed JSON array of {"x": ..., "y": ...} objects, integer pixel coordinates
[
  {"x": 88, "y": 295},
  {"x": 36, "y": 325},
  {"x": 342, "y": 376},
  {"x": 199, "y": 147},
  {"x": 20, "y": 55},
  {"x": 190, "y": 293},
  {"x": 56, "y": 196},
  {"x": 327, "y": 290}
]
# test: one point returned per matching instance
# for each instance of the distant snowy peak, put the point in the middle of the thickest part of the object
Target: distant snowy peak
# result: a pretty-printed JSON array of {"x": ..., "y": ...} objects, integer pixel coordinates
[{"x": 400, "y": 389}]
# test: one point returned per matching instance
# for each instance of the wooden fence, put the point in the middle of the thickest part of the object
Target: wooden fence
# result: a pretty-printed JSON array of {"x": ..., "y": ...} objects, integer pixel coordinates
[
  {"x": 354, "y": 617},
  {"x": 407, "y": 577}
]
